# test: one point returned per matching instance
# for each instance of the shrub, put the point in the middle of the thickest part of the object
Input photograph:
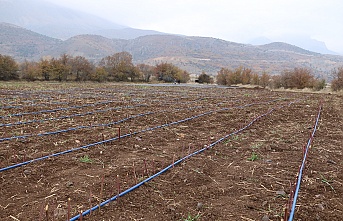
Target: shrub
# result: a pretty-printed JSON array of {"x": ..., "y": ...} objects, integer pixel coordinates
[
  {"x": 337, "y": 82},
  {"x": 299, "y": 78},
  {"x": 205, "y": 78},
  {"x": 8, "y": 68}
]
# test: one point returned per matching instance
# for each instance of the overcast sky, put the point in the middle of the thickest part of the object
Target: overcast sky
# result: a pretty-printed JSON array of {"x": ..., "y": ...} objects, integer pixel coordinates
[{"x": 232, "y": 20}]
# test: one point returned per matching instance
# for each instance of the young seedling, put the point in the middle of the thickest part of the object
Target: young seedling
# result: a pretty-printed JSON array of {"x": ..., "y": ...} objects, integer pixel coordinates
[
  {"x": 253, "y": 157},
  {"x": 192, "y": 218},
  {"x": 256, "y": 146},
  {"x": 327, "y": 182},
  {"x": 235, "y": 137},
  {"x": 85, "y": 159}
]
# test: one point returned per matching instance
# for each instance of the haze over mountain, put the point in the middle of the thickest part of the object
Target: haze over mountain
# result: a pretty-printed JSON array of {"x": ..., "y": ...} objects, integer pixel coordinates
[
  {"x": 300, "y": 41},
  {"x": 60, "y": 22}
]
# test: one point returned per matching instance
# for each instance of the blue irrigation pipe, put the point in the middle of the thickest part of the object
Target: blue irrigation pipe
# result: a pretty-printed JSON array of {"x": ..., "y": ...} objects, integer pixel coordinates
[
  {"x": 299, "y": 177},
  {"x": 172, "y": 165},
  {"x": 31, "y": 105},
  {"x": 55, "y": 110},
  {"x": 75, "y": 128},
  {"x": 69, "y": 116},
  {"x": 125, "y": 135},
  {"x": 52, "y": 111},
  {"x": 84, "y": 127}
]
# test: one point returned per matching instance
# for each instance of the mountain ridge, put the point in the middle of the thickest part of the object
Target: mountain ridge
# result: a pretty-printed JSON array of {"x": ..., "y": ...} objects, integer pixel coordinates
[{"x": 194, "y": 54}]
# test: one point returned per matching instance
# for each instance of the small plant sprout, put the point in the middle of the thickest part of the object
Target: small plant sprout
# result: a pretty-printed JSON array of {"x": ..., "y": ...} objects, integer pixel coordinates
[
  {"x": 235, "y": 137},
  {"x": 253, "y": 157},
  {"x": 85, "y": 159},
  {"x": 327, "y": 182},
  {"x": 256, "y": 146},
  {"x": 192, "y": 218}
]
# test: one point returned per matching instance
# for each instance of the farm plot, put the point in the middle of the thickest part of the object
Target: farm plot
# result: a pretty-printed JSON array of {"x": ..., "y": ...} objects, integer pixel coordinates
[{"x": 67, "y": 148}]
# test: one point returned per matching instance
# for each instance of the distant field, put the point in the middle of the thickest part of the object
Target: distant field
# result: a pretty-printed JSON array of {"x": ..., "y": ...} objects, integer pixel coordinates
[{"x": 60, "y": 141}]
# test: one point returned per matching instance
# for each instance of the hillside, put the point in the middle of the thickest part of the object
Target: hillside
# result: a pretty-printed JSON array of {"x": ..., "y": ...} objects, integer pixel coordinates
[
  {"x": 22, "y": 44},
  {"x": 194, "y": 54},
  {"x": 62, "y": 23}
]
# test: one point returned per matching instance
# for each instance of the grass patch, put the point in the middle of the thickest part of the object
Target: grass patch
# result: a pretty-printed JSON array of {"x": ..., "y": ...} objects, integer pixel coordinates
[
  {"x": 191, "y": 218},
  {"x": 253, "y": 157},
  {"x": 86, "y": 159}
]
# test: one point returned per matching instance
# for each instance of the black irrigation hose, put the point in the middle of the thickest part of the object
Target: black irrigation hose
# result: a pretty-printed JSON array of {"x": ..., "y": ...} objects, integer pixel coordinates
[
  {"x": 55, "y": 110},
  {"x": 90, "y": 126},
  {"x": 69, "y": 116},
  {"x": 75, "y": 128},
  {"x": 127, "y": 135},
  {"x": 173, "y": 164}
]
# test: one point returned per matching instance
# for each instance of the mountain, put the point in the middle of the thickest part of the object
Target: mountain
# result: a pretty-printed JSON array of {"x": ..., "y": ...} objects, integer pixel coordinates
[
  {"x": 311, "y": 44},
  {"x": 24, "y": 44},
  {"x": 125, "y": 33},
  {"x": 305, "y": 42},
  {"x": 93, "y": 47},
  {"x": 194, "y": 54},
  {"x": 62, "y": 23}
]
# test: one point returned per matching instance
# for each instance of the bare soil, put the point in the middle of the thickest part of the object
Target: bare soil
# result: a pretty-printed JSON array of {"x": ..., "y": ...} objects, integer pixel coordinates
[{"x": 245, "y": 177}]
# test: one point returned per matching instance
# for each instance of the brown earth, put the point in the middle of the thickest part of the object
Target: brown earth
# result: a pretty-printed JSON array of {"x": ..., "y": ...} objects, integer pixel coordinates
[{"x": 221, "y": 183}]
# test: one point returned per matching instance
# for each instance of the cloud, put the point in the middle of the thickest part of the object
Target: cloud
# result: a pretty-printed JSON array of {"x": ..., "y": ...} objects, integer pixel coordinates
[{"x": 228, "y": 19}]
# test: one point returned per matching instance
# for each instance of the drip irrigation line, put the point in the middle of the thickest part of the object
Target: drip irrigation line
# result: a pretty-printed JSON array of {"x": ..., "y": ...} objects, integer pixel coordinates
[
  {"x": 173, "y": 164},
  {"x": 90, "y": 126},
  {"x": 55, "y": 110},
  {"x": 52, "y": 111},
  {"x": 75, "y": 128},
  {"x": 299, "y": 176},
  {"x": 31, "y": 105},
  {"x": 69, "y": 116},
  {"x": 124, "y": 136}
]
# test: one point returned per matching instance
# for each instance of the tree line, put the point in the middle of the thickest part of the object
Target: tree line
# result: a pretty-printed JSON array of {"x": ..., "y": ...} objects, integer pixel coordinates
[
  {"x": 120, "y": 67},
  {"x": 298, "y": 78},
  {"x": 116, "y": 67}
]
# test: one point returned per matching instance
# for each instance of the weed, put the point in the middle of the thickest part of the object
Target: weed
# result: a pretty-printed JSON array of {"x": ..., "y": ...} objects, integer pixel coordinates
[
  {"x": 192, "y": 218},
  {"x": 256, "y": 146},
  {"x": 253, "y": 157},
  {"x": 327, "y": 182},
  {"x": 235, "y": 137},
  {"x": 85, "y": 159}
]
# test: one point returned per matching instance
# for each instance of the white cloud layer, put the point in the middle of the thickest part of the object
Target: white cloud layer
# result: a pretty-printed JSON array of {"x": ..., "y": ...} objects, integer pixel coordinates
[{"x": 232, "y": 20}]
